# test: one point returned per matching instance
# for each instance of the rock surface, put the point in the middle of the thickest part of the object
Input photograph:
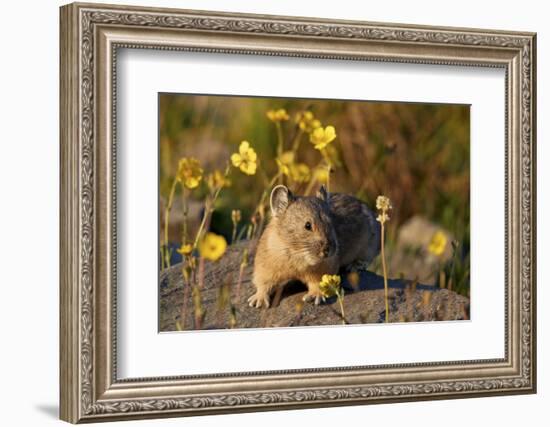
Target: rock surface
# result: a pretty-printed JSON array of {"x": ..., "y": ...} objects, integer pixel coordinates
[{"x": 363, "y": 303}]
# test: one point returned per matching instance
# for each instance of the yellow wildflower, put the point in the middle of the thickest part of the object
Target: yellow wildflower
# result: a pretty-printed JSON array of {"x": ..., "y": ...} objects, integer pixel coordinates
[
  {"x": 217, "y": 180},
  {"x": 277, "y": 115},
  {"x": 189, "y": 172},
  {"x": 213, "y": 246},
  {"x": 185, "y": 249},
  {"x": 245, "y": 159},
  {"x": 320, "y": 174},
  {"x": 285, "y": 161},
  {"x": 321, "y": 137},
  {"x": 330, "y": 285},
  {"x": 438, "y": 243},
  {"x": 300, "y": 172},
  {"x": 307, "y": 121}
]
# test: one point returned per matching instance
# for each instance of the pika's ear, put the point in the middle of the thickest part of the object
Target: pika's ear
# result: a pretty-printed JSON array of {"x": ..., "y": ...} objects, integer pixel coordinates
[
  {"x": 281, "y": 197},
  {"x": 322, "y": 194}
]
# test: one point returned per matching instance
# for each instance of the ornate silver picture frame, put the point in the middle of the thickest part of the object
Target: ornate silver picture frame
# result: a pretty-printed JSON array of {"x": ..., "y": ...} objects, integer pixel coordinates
[{"x": 91, "y": 36}]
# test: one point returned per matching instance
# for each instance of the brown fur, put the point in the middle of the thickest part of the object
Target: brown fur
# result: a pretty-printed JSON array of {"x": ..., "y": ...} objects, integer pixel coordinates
[{"x": 343, "y": 230}]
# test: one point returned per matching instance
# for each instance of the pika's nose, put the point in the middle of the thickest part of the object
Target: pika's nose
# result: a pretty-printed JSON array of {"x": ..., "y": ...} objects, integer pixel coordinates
[{"x": 325, "y": 251}]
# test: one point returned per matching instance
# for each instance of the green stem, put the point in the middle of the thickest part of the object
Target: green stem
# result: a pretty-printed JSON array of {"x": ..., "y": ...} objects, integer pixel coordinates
[
  {"x": 266, "y": 192},
  {"x": 280, "y": 146},
  {"x": 310, "y": 186},
  {"x": 166, "y": 221},
  {"x": 341, "y": 302},
  {"x": 280, "y": 142},
  {"x": 242, "y": 233},
  {"x": 209, "y": 208},
  {"x": 297, "y": 140},
  {"x": 313, "y": 180},
  {"x": 244, "y": 263},
  {"x": 186, "y": 286},
  {"x": 385, "y": 274},
  {"x": 234, "y": 234},
  {"x": 201, "y": 272},
  {"x": 264, "y": 175},
  {"x": 185, "y": 213}
]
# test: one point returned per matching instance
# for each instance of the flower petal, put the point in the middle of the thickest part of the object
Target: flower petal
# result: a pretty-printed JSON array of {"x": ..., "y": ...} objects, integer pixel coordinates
[
  {"x": 243, "y": 148},
  {"x": 330, "y": 133},
  {"x": 236, "y": 159}
]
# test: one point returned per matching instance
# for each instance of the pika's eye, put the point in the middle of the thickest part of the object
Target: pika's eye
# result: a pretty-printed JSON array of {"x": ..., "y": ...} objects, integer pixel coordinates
[{"x": 308, "y": 226}]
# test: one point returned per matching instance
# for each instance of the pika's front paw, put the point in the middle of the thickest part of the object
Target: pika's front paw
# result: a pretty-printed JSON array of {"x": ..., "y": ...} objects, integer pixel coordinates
[
  {"x": 258, "y": 300},
  {"x": 314, "y": 295}
]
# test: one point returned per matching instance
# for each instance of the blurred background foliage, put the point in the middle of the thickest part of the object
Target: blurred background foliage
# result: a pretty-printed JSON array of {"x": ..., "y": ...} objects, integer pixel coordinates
[{"x": 416, "y": 154}]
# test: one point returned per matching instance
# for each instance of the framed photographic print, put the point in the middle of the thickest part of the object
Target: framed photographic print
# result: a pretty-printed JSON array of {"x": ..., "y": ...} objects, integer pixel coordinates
[{"x": 264, "y": 212}]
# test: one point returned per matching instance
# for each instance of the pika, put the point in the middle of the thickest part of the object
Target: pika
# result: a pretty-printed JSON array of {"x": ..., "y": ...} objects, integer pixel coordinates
[{"x": 308, "y": 237}]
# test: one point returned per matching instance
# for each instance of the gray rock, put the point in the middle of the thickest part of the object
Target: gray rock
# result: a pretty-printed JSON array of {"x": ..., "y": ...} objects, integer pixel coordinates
[{"x": 223, "y": 303}]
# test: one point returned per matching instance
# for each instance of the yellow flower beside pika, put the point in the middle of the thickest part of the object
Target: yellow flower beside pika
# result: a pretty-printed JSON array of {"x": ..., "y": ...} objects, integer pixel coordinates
[
  {"x": 438, "y": 243},
  {"x": 330, "y": 285},
  {"x": 307, "y": 121},
  {"x": 277, "y": 115},
  {"x": 189, "y": 172},
  {"x": 320, "y": 174},
  {"x": 285, "y": 161},
  {"x": 246, "y": 159},
  {"x": 185, "y": 249},
  {"x": 212, "y": 247},
  {"x": 321, "y": 137},
  {"x": 217, "y": 180},
  {"x": 300, "y": 172}
]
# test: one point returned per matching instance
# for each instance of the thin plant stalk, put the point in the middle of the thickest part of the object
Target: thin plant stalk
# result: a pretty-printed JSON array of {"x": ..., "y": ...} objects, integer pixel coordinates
[
  {"x": 280, "y": 141},
  {"x": 328, "y": 177},
  {"x": 313, "y": 180},
  {"x": 262, "y": 172},
  {"x": 199, "y": 311},
  {"x": 244, "y": 263},
  {"x": 209, "y": 208},
  {"x": 328, "y": 166},
  {"x": 234, "y": 233},
  {"x": 185, "y": 213},
  {"x": 207, "y": 211},
  {"x": 297, "y": 140},
  {"x": 280, "y": 146},
  {"x": 166, "y": 221},
  {"x": 385, "y": 273},
  {"x": 235, "y": 219},
  {"x": 242, "y": 232},
  {"x": 186, "y": 286},
  {"x": 263, "y": 198},
  {"x": 201, "y": 272},
  {"x": 310, "y": 186},
  {"x": 340, "y": 297}
]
